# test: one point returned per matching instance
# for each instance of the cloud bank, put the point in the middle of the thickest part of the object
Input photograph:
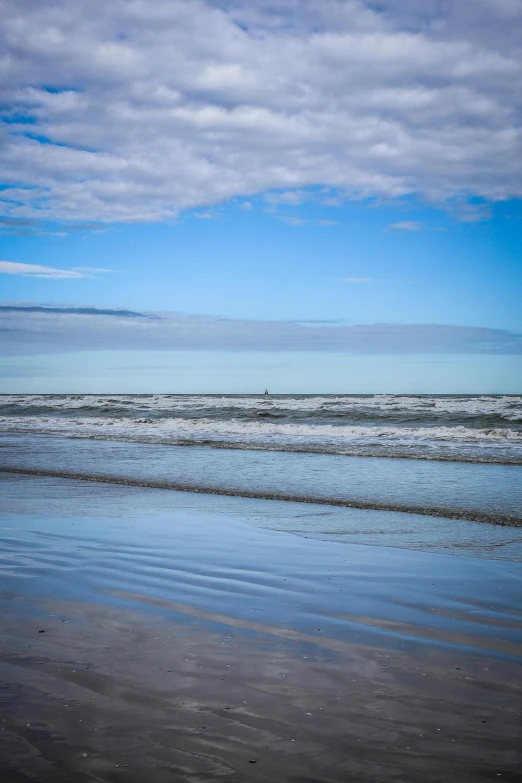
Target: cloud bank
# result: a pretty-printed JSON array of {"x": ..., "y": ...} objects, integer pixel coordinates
[
  {"x": 33, "y": 329},
  {"x": 134, "y": 109}
]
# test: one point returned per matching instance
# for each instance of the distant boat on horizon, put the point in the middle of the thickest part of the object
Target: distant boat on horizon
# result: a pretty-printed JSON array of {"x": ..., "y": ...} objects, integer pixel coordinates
[{"x": 266, "y": 391}]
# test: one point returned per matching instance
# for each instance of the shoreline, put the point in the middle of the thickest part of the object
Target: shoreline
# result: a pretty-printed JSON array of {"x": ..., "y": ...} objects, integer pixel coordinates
[
  {"x": 479, "y": 492},
  {"x": 505, "y": 520}
]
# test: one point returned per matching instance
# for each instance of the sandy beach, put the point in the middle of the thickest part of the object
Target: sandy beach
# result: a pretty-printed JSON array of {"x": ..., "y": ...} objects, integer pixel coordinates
[{"x": 157, "y": 635}]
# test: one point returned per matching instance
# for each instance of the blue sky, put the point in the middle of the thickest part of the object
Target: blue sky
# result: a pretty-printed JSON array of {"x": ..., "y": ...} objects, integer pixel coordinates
[{"x": 349, "y": 178}]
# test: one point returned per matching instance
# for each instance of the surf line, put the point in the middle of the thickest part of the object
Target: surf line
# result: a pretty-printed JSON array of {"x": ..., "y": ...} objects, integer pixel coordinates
[{"x": 492, "y": 517}]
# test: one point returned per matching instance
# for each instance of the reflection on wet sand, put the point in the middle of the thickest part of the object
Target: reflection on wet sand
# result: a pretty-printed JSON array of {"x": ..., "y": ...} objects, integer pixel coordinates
[
  {"x": 122, "y": 696},
  {"x": 149, "y": 635}
]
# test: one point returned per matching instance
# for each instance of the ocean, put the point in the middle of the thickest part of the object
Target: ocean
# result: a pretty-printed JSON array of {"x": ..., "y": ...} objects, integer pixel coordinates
[
  {"x": 456, "y": 428},
  {"x": 450, "y": 456}
]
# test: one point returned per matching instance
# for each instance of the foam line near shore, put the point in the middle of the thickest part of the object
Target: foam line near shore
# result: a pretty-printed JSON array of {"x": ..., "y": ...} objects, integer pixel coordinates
[{"x": 494, "y": 518}]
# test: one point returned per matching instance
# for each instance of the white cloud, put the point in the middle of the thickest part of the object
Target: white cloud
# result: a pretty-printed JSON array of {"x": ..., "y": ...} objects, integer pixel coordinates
[
  {"x": 287, "y": 198},
  {"x": 93, "y": 269},
  {"x": 50, "y": 272},
  {"x": 406, "y": 225},
  {"x": 154, "y": 106},
  {"x": 36, "y": 270},
  {"x": 38, "y": 329},
  {"x": 356, "y": 279}
]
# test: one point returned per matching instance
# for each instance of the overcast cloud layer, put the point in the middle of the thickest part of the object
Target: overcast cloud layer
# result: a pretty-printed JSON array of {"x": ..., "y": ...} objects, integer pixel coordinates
[
  {"x": 36, "y": 329},
  {"x": 132, "y": 109}
]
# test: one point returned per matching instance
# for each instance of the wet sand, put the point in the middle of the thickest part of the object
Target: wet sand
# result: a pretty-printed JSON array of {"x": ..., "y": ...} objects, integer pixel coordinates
[{"x": 148, "y": 635}]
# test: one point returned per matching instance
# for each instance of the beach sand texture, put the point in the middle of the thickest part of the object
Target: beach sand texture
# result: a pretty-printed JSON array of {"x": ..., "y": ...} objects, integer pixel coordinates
[{"x": 164, "y": 636}]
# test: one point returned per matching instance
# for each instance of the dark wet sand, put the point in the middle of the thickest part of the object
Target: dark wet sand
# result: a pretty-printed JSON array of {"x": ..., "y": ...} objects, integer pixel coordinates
[
  {"x": 111, "y": 695},
  {"x": 188, "y": 659}
]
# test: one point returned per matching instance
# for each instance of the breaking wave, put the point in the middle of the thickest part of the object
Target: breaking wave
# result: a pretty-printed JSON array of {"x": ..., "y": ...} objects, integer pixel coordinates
[{"x": 460, "y": 428}]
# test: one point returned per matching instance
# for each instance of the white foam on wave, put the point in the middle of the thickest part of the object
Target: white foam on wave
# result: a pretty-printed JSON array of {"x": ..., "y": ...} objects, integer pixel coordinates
[
  {"x": 506, "y": 407},
  {"x": 209, "y": 429}
]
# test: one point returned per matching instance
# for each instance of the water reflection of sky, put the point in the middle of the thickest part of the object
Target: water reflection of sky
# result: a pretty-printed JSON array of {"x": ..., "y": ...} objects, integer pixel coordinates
[{"x": 215, "y": 556}]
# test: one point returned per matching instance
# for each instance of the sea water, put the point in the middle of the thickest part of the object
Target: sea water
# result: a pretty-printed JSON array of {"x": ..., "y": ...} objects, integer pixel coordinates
[{"x": 451, "y": 456}]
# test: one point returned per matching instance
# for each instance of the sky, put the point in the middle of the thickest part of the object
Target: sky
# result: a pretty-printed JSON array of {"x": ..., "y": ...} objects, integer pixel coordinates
[{"x": 229, "y": 195}]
